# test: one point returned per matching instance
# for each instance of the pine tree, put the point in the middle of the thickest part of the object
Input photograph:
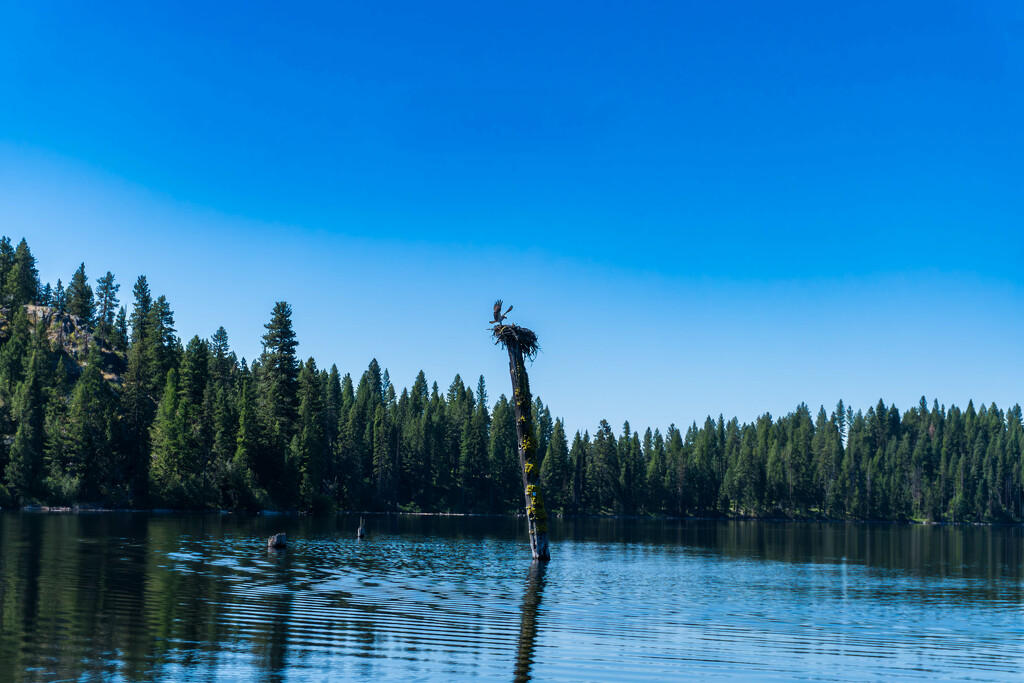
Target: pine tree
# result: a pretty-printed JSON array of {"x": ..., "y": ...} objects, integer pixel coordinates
[
  {"x": 106, "y": 305},
  {"x": 1015, "y": 455},
  {"x": 675, "y": 471},
  {"x": 603, "y": 474},
  {"x": 332, "y": 415},
  {"x": 473, "y": 460},
  {"x": 382, "y": 459},
  {"x": 119, "y": 338},
  {"x": 313, "y": 447},
  {"x": 481, "y": 397},
  {"x": 556, "y": 470},
  {"x": 61, "y": 483},
  {"x": 90, "y": 436},
  {"x": 702, "y": 468},
  {"x": 195, "y": 417},
  {"x": 277, "y": 391},
  {"x": 162, "y": 349},
  {"x": 425, "y": 434},
  {"x": 750, "y": 474},
  {"x": 359, "y": 439},
  {"x": 13, "y": 355},
  {"x": 60, "y": 298},
  {"x": 79, "y": 296},
  {"x": 6, "y": 261},
  {"x": 504, "y": 494},
  {"x": 280, "y": 368},
  {"x": 630, "y": 470},
  {"x": 799, "y": 460},
  {"x": 139, "y": 395},
  {"x": 168, "y": 446},
  {"x": 855, "y": 459},
  {"x": 245, "y": 490},
  {"x": 545, "y": 425},
  {"x": 221, "y": 360},
  {"x": 453, "y": 414},
  {"x": 729, "y": 489},
  {"x": 419, "y": 395},
  {"x": 21, "y": 285},
  {"x": 578, "y": 458},
  {"x": 351, "y": 450},
  {"x": 195, "y": 370},
  {"x": 414, "y": 465},
  {"x": 387, "y": 389},
  {"x": 224, "y": 420},
  {"x": 654, "y": 454},
  {"x": 25, "y": 468},
  {"x": 140, "y": 309},
  {"x": 757, "y": 489},
  {"x": 777, "y": 486}
]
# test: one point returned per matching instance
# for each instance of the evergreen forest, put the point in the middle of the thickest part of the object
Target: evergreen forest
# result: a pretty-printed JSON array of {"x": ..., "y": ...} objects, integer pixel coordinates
[{"x": 102, "y": 404}]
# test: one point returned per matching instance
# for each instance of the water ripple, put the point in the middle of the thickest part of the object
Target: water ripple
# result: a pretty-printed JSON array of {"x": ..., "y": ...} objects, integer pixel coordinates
[{"x": 194, "y": 598}]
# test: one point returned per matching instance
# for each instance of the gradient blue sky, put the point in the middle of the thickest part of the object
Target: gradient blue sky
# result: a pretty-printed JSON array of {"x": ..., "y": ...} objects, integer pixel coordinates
[{"x": 718, "y": 208}]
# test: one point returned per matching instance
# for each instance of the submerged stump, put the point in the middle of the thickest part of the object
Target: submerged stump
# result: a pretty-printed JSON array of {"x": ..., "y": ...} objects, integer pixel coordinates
[{"x": 521, "y": 344}]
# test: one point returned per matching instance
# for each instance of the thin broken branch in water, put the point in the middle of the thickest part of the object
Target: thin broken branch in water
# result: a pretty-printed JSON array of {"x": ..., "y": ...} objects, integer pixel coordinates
[{"x": 516, "y": 338}]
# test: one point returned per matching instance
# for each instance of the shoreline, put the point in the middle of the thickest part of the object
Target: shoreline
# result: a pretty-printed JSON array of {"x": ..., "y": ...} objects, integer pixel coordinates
[{"x": 87, "y": 509}]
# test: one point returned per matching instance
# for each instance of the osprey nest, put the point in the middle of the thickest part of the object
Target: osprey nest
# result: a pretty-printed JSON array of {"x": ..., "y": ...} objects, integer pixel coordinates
[{"x": 516, "y": 337}]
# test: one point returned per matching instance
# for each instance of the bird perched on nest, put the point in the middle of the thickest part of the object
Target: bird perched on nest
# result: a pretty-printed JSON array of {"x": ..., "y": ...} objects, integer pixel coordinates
[{"x": 498, "y": 315}]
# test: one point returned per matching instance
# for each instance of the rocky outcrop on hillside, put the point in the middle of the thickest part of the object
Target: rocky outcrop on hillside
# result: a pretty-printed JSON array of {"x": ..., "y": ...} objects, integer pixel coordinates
[{"x": 73, "y": 338}]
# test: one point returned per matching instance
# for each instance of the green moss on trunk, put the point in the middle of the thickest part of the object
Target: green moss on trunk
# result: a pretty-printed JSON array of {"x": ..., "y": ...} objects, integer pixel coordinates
[{"x": 521, "y": 343}]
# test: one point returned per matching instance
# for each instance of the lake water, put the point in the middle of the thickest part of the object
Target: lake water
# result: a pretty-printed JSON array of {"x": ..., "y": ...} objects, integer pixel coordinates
[{"x": 106, "y": 596}]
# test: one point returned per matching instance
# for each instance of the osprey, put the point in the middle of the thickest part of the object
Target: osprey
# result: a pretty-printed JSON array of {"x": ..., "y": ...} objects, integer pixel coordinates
[{"x": 498, "y": 315}]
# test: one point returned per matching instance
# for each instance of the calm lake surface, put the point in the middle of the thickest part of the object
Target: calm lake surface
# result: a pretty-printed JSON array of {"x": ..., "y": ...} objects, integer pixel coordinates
[{"x": 106, "y": 596}]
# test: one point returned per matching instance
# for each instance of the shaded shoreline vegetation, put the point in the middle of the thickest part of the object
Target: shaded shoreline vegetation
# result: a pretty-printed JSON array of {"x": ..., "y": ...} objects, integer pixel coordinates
[{"x": 102, "y": 404}]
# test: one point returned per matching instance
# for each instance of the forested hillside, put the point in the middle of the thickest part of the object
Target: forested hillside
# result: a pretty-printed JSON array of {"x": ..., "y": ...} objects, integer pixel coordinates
[{"x": 104, "y": 405}]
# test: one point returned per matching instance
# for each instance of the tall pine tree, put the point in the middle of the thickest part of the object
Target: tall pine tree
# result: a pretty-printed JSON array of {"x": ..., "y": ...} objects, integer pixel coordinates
[{"x": 80, "y": 297}]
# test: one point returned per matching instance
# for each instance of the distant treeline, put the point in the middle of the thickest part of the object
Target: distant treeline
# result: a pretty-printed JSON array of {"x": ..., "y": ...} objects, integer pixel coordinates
[{"x": 104, "y": 406}]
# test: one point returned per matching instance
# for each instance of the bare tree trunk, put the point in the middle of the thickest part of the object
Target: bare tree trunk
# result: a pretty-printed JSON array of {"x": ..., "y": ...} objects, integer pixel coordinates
[{"x": 536, "y": 515}]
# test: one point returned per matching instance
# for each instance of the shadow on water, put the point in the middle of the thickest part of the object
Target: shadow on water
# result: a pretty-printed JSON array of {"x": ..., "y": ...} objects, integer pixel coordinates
[{"x": 528, "y": 621}]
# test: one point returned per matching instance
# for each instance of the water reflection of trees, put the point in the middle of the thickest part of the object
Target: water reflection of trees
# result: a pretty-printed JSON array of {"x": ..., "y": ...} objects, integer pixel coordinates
[
  {"x": 991, "y": 555},
  {"x": 136, "y": 596},
  {"x": 528, "y": 621},
  {"x": 69, "y": 599},
  {"x": 85, "y": 594}
]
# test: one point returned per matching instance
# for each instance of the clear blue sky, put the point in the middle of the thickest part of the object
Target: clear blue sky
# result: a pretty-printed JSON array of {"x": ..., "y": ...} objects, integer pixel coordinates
[{"x": 701, "y": 208}]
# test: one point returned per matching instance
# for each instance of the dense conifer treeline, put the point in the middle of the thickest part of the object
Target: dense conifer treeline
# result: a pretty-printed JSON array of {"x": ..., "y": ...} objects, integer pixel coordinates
[{"x": 101, "y": 404}]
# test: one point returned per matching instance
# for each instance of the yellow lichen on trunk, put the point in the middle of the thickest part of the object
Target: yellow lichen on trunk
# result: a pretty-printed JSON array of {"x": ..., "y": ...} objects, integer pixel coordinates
[{"x": 535, "y": 512}]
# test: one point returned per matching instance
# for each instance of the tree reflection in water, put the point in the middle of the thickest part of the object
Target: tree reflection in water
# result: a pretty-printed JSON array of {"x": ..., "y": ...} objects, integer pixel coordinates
[{"x": 528, "y": 620}]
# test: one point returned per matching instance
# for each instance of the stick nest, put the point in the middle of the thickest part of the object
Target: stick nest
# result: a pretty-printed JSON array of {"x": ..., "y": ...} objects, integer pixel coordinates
[{"x": 516, "y": 337}]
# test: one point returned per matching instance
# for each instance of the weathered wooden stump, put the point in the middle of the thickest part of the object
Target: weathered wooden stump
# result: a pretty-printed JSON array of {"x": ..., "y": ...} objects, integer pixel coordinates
[{"x": 521, "y": 343}]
